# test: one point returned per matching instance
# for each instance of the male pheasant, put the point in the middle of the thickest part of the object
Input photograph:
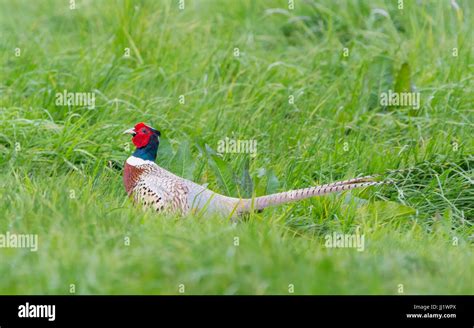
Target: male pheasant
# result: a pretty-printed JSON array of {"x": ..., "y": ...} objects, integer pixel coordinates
[{"x": 155, "y": 187}]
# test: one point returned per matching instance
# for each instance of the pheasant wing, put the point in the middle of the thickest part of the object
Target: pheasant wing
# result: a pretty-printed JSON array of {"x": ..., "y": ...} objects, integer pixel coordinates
[{"x": 162, "y": 193}]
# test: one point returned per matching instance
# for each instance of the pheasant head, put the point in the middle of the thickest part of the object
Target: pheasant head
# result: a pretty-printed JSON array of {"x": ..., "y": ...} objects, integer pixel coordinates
[{"x": 146, "y": 140}]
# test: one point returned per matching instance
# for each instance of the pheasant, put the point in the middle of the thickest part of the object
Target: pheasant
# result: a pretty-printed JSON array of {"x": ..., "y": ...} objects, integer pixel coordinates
[{"x": 153, "y": 186}]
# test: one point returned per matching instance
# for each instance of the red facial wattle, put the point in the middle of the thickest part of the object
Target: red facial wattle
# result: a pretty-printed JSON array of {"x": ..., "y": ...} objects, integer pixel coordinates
[
  {"x": 142, "y": 135},
  {"x": 140, "y": 140}
]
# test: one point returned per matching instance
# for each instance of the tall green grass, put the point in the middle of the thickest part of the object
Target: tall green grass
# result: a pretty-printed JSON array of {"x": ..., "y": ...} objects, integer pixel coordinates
[{"x": 60, "y": 166}]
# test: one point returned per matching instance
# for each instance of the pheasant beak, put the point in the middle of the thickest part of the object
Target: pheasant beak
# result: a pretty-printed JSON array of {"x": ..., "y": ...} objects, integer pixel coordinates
[{"x": 130, "y": 131}]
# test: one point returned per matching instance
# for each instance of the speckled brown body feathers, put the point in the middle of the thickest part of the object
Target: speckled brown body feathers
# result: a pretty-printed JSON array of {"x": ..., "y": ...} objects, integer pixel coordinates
[
  {"x": 131, "y": 175},
  {"x": 155, "y": 187}
]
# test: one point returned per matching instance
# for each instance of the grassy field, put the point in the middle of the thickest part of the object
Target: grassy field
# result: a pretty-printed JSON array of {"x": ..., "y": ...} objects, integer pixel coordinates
[{"x": 305, "y": 83}]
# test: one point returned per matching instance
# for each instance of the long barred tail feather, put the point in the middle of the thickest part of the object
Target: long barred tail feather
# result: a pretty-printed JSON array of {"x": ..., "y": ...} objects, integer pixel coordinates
[{"x": 259, "y": 203}]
